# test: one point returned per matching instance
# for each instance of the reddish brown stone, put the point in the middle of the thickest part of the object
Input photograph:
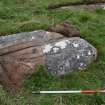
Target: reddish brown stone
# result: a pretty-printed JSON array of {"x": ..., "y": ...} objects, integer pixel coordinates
[
  {"x": 20, "y": 54},
  {"x": 66, "y": 29}
]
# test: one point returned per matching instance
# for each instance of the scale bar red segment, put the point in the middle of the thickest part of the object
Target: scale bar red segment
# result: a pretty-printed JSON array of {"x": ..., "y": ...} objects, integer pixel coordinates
[{"x": 88, "y": 91}]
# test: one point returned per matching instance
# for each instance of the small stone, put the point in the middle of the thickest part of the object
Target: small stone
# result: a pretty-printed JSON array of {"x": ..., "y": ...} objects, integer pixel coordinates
[{"x": 66, "y": 28}]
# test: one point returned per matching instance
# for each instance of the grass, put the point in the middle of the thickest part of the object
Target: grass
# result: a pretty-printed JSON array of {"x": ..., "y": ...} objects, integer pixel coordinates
[{"x": 27, "y": 15}]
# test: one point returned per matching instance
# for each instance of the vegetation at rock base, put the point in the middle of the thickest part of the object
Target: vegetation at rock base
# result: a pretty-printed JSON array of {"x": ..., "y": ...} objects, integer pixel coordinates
[{"x": 28, "y": 15}]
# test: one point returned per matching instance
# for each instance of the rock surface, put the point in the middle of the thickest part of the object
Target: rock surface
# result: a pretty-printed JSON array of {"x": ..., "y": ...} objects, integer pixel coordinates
[
  {"x": 21, "y": 53},
  {"x": 67, "y": 55}
]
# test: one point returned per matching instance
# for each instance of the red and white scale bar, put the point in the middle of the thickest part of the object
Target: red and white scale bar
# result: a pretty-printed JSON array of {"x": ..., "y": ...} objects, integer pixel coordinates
[{"x": 70, "y": 92}]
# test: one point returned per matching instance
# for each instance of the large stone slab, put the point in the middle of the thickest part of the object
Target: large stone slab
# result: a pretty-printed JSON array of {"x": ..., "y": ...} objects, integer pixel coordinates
[{"x": 21, "y": 53}]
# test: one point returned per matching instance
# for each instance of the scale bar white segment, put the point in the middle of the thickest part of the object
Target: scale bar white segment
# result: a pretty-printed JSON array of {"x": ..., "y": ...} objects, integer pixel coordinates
[{"x": 59, "y": 92}]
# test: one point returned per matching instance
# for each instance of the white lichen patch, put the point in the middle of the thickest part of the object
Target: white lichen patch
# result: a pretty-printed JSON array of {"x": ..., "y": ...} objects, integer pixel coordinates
[
  {"x": 55, "y": 49},
  {"x": 32, "y": 38},
  {"x": 78, "y": 56},
  {"x": 47, "y": 32},
  {"x": 81, "y": 64},
  {"x": 62, "y": 44},
  {"x": 67, "y": 41},
  {"x": 35, "y": 31},
  {"x": 75, "y": 45},
  {"x": 47, "y": 48},
  {"x": 89, "y": 52}
]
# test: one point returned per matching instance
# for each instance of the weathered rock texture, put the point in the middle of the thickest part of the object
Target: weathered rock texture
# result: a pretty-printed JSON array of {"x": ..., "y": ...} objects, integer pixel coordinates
[
  {"x": 21, "y": 53},
  {"x": 67, "y": 55}
]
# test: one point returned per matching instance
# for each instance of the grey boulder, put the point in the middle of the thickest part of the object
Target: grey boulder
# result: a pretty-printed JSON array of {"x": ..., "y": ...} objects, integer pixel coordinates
[{"x": 68, "y": 55}]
